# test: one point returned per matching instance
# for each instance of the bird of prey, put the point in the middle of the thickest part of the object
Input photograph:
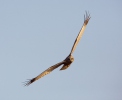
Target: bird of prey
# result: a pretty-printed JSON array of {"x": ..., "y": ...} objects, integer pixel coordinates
[{"x": 69, "y": 59}]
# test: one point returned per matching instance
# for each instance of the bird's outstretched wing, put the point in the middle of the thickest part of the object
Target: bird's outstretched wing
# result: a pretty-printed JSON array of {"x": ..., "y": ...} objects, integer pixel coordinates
[
  {"x": 86, "y": 20},
  {"x": 47, "y": 71}
]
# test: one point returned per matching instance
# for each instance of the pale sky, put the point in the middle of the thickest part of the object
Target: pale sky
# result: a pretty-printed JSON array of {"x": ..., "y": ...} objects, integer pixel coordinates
[{"x": 36, "y": 34}]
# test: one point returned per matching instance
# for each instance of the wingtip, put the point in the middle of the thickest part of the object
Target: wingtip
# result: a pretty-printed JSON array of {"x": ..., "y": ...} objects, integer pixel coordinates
[
  {"x": 86, "y": 17},
  {"x": 30, "y": 81}
]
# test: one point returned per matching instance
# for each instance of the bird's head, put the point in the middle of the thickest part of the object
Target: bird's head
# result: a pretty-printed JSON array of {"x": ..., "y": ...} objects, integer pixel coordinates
[{"x": 71, "y": 58}]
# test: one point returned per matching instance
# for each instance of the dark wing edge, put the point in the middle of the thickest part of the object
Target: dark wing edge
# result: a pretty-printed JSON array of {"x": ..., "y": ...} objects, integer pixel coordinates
[
  {"x": 86, "y": 17},
  {"x": 47, "y": 71},
  {"x": 86, "y": 20}
]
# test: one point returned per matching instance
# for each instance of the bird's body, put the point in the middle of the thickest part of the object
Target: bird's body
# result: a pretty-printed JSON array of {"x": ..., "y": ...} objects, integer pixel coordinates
[
  {"x": 67, "y": 62},
  {"x": 69, "y": 59}
]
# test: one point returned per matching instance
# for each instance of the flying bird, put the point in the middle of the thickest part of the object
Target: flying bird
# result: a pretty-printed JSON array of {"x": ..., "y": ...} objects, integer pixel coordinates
[{"x": 69, "y": 59}]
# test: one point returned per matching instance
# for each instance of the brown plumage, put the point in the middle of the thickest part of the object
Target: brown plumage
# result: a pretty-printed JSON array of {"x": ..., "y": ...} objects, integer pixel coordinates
[{"x": 69, "y": 59}]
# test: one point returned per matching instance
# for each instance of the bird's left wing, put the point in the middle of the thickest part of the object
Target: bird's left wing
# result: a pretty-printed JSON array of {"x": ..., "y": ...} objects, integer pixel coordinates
[
  {"x": 86, "y": 20},
  {"x": 47, "y": 71}
]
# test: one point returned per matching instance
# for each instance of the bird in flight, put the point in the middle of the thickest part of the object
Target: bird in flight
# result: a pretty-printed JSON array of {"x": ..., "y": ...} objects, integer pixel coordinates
[{"x": 69, "y": 59}]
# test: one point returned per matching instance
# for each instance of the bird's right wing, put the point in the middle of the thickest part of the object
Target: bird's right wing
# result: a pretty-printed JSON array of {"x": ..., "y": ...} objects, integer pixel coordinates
[
  {"x": 47, "y": 71},
  {"x": 86, "y": 20}
]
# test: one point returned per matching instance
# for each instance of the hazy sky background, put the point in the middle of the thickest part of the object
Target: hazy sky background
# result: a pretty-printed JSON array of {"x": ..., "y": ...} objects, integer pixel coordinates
[{"x": 35, "y": 34}]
